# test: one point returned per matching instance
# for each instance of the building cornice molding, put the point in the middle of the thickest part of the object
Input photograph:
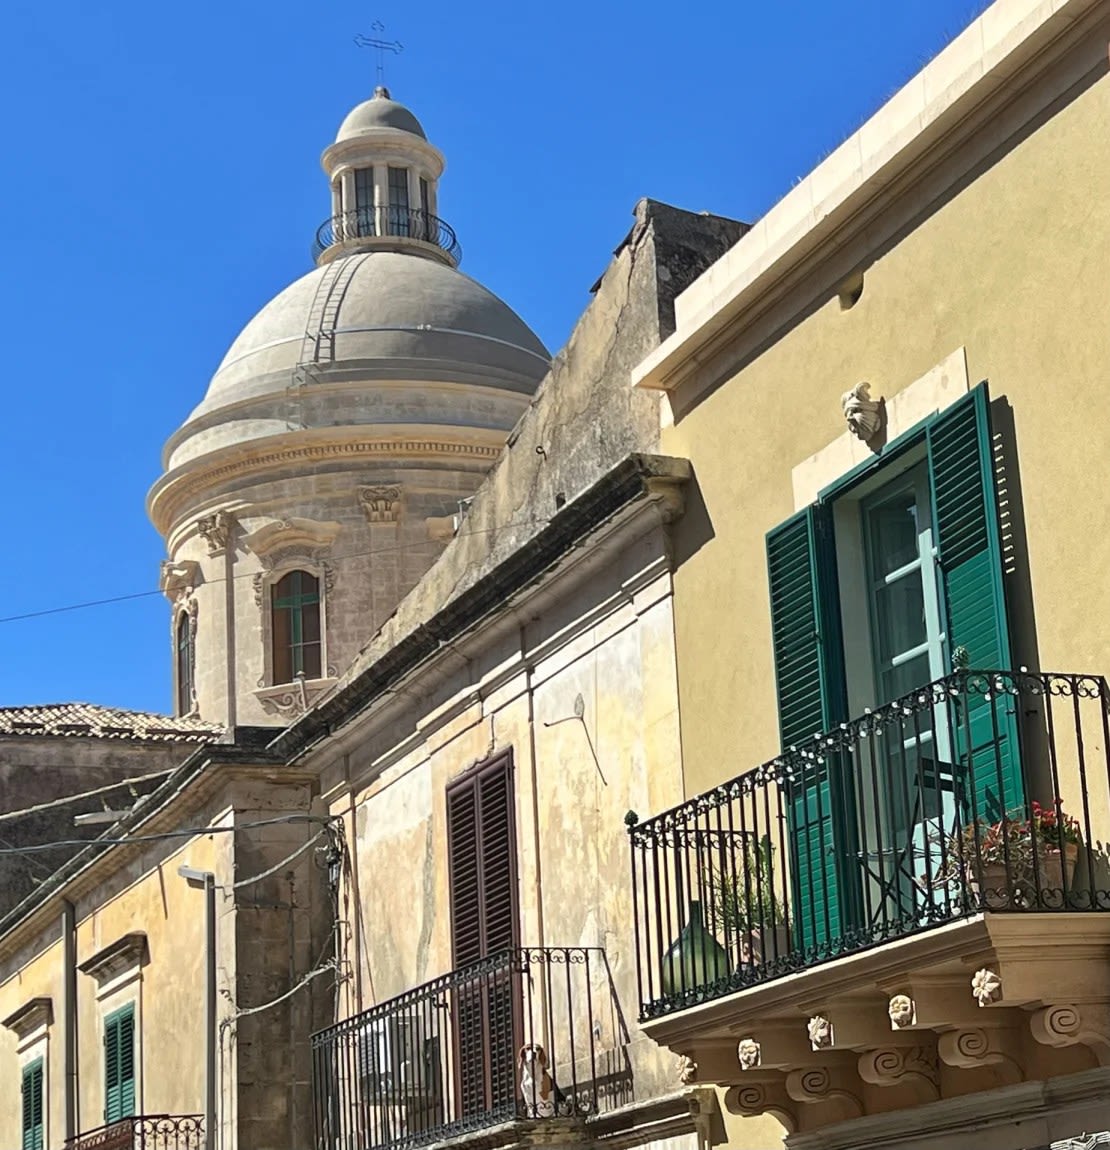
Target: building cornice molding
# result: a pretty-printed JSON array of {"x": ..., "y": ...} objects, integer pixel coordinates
[{"x": 932, "y": 115}]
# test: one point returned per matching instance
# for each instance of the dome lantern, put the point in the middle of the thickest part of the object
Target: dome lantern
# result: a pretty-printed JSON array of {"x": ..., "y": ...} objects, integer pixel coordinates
[{"x": 384, "y": 177}]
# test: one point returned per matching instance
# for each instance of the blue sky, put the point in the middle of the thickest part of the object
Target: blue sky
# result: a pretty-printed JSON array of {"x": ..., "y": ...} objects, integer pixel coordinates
[{"x": 161, "y": 183}]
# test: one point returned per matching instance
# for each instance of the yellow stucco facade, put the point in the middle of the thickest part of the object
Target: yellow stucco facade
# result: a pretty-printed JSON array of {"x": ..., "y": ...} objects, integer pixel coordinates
[{"x": 1001, "y": 251}]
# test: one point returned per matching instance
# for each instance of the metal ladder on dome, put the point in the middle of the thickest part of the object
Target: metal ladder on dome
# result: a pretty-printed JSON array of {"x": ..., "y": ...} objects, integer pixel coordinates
[{"x": 318, "y": 342}]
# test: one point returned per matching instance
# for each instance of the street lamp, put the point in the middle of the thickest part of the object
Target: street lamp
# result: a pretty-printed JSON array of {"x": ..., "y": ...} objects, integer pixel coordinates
[{"x": 205, "y": 880}]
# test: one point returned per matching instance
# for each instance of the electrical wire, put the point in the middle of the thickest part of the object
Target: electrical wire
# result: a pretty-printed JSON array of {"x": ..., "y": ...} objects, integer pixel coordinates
[
  {"x": 65, "y": 799},
  {"x": 277, "y": 866},
  {"x": 303, "y": 981},
  {"x": 250, "y": 574},
  {"x": 184, "y": 832}
]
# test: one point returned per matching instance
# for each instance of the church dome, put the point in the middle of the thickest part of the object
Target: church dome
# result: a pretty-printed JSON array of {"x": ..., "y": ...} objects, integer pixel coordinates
[
  {"x": 375, "y": 316},
  {"x": 380, "y": 111}
]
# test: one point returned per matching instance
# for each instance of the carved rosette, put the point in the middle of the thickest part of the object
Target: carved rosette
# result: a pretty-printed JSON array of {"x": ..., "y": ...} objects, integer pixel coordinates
[
  {"x": 986, "y": 986},
  {"x": 820, "y": 1032},
  {"x": 381, "y": 504},
  {"x": 686, "y": 1069}
]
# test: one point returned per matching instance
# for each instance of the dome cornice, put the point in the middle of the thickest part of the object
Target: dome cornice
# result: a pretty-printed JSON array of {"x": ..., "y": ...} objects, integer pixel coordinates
[
  {"x": 380, "y": 146},
  {"x": 177, "y": 493}
]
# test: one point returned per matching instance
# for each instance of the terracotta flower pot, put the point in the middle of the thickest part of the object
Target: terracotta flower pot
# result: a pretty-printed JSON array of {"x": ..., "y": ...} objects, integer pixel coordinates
[{"x": 1024, "y": 889}]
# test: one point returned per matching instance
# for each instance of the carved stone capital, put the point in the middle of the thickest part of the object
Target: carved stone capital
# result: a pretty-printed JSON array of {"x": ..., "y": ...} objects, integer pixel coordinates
[
  {"x": 914, "y": 1066},
  {"x": 216, "y": 530},
  {"x": 381, "y": 504}
]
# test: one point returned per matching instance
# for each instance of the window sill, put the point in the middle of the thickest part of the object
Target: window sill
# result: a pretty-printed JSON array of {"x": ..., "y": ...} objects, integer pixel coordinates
[{"x": 288, "y": 700}]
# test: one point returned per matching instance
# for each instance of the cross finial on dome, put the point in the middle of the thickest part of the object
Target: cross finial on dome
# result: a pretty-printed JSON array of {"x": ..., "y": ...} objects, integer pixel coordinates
[{"x": 381, "y": 46}]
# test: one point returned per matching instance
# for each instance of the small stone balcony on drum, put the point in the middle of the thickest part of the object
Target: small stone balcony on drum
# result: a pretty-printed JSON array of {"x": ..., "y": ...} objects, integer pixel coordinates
[
  {"x": 529, "y": 1036},
  {"x": 930, "y": 877}
]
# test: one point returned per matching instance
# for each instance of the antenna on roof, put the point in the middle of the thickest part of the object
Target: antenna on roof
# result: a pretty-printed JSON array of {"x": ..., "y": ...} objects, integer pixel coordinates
[{"x": 381, "y": 46}]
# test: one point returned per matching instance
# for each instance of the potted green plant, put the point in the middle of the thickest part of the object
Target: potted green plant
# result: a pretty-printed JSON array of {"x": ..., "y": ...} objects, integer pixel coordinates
[
  {"x": 1023, "y": 860},
  {"x": 751, "y": 907}
]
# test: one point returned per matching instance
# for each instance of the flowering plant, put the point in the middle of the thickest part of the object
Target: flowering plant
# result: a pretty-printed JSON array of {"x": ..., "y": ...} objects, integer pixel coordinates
[{"x": 1012, "y": 840}]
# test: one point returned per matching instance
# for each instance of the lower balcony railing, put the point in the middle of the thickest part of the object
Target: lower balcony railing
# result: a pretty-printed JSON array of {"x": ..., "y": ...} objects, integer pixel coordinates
[
  {"x": 144, "y": 1132},
  {"x": 530, "y": 1033},
  {"x": 983, "y": 791}
]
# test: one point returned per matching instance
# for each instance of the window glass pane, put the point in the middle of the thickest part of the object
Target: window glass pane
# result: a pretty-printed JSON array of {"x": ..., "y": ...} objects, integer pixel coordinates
[
  {"x": 399, "y": 187},
  {"x": 901, "y": 680},
  {"x": 900, "y": 616},
  {"x": 893, "y": 529},
  {"x": 283, "y": 649},
  {"x": 310, "y": 623},
  {"x": 364, "y": 188},
  {"x": 310, "y": 660}
]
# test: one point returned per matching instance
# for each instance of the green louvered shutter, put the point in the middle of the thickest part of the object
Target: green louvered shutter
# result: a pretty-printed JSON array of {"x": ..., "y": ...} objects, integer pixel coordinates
[
  {"x": 119, "y": 1065},
  {"x": 33, "y": 1123},
  {"x": 809, "y": 676},
  {"x": 969, "y": 555}
]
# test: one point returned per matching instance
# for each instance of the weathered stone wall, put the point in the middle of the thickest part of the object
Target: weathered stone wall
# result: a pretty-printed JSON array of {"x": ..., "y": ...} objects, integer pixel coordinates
[{"x": 36, "y": 769}]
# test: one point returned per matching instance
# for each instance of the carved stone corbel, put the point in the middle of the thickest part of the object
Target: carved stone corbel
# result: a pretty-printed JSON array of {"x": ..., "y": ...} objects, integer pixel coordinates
[
  {"x": 863, "y": 414},
  {"x": 178, "y": 578},
  {"x": 763, "y": 1092},
  {"x": 1063, "y": 1025},
  {"x": 976, "y": 1047},
  {"x": 836, "y": 1088},
  {"x": 915, "y": 1067}
]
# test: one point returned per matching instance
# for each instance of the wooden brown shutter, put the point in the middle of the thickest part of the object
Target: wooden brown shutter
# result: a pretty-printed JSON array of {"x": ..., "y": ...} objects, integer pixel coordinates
[{"x": 481, "y": 849}]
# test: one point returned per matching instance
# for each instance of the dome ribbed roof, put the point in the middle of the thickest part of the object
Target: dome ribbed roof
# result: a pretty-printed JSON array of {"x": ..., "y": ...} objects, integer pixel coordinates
[
  {"x": 375, "y": 316},
  {"x": 380, "y": 111}
]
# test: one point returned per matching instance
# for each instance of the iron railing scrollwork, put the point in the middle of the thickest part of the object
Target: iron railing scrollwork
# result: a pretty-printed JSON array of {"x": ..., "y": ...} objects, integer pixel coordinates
[
  {"x": 978, "y": 792},
  {"x": 384, "y": 222},
  {"x": 449, "y": 1056},
  {"x": 144, "y": 1132}
]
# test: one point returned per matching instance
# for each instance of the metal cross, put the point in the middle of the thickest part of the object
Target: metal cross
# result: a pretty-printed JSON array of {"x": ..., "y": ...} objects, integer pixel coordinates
[{"x": 381, "y": 46}]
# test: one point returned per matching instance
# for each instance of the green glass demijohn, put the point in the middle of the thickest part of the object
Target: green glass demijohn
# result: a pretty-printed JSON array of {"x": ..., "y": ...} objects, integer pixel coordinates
[{"x": 695, "y": 959}]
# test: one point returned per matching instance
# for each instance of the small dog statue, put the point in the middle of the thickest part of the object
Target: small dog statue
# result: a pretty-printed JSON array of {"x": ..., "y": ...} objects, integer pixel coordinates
[{"x": 536, "y": 1085}]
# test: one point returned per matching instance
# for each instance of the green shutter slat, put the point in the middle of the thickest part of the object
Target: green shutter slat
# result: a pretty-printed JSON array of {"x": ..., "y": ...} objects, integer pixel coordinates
[
  {"x": 32, "y": 1100},
  {"x": 965, "y": 513},
  {"x": 119, "y": 1065},
  {"x": 808, "y": 656}
]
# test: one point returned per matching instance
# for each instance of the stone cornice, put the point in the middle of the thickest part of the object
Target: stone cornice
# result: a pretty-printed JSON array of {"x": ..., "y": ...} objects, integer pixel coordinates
[
  {"x": 171, "y": 496},
  {"x": 126, "y": 952},
  {"x": 35, "y": 1012}
]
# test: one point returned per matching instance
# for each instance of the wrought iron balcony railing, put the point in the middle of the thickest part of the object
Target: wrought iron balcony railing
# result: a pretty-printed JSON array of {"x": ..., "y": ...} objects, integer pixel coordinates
[
  {"x": 387, "y": 222},
  {"x": 982, "y": 791},
  {"x": 144, "y": 1132},
  {"x": 524, "y": 1034}
]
